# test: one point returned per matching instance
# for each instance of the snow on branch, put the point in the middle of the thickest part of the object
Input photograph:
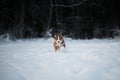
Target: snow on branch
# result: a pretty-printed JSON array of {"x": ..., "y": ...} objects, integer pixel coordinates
[{"x": 71, "y": 5}]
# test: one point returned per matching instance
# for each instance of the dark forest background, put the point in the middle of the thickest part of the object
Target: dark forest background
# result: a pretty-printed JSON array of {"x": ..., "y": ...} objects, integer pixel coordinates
[{"x": 78, "y": 19}]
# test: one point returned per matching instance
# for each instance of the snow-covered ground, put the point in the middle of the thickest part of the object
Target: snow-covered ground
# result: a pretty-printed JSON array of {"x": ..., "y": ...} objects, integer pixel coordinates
[{"x": 36, "y": 59}]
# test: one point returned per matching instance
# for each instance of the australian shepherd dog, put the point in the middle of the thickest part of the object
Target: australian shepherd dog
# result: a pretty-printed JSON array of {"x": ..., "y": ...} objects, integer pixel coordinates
[{"x": 58, "y": 41}]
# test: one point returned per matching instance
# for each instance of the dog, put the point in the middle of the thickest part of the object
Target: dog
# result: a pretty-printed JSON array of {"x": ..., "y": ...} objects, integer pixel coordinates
[{"x": 58, "y": 41}]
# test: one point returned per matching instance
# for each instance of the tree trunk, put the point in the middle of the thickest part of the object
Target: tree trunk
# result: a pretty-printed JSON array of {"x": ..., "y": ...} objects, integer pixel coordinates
[{"x": 21, "y": 19}]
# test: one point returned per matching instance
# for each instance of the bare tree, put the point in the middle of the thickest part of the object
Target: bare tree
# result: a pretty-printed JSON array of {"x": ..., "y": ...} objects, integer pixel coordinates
[
  {"x": 48, "y": 30},
  {"x": 20, "y": 26},
  {"x": 56, "y": 4}
]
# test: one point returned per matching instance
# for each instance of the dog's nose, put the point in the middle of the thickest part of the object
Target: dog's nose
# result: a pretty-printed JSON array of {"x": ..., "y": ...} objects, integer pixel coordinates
[{"x": 58, "y": 41}]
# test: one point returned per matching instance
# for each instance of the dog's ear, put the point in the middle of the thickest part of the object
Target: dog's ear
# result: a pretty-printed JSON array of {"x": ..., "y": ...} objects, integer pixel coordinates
[
  {"x": 55, "y": 35},
  {"x": 60, "y": 33}
]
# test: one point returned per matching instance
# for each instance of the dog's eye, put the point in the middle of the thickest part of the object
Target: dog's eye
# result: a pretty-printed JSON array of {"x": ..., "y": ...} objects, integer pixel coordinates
[{"x": 60, "y": 38}]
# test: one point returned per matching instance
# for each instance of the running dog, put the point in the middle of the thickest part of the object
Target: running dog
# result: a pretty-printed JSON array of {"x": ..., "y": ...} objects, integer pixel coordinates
[{"x": 58, "y": 41}]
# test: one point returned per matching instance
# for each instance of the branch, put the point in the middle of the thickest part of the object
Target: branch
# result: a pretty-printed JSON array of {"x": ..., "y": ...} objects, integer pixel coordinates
[
  {"x": 98, "y": 5},
  {"x": 71, "y": 5}
]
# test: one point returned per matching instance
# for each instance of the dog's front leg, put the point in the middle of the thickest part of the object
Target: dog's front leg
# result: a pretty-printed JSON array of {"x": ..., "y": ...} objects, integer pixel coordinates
[{"x": 56, "y": 48}]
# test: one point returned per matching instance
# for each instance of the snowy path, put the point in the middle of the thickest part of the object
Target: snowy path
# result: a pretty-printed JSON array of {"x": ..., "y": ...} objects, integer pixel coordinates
[{"x": 80, "y": 60}]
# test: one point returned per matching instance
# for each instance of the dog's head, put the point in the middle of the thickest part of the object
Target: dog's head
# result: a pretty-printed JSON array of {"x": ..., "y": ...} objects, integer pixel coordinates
[{"x": 58, "y": 38}]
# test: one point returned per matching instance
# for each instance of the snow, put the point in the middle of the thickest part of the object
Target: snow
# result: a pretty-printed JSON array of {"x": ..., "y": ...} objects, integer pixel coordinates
[{"x": 35, "y": 59}]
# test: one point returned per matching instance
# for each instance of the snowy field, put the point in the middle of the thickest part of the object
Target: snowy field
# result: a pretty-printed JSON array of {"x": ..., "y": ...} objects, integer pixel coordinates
[{"x": 36, "y": 59}]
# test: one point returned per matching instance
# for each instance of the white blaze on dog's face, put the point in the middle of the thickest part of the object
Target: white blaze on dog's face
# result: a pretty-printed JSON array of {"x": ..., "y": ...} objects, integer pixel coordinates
[{"x": 59, "y": 40}]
